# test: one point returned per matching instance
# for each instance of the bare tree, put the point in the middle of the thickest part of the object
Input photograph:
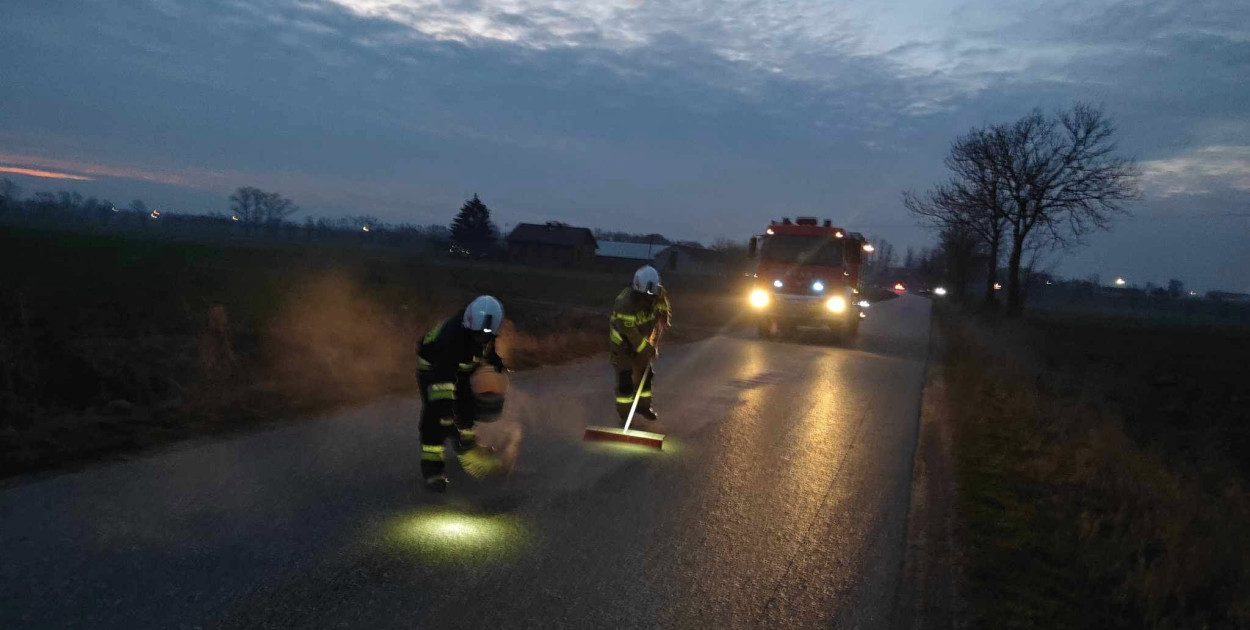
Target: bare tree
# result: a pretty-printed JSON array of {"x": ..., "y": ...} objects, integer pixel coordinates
[
  {"x": 254, "y": 206},
  {"x": 1062, "y": 179},
  {"x": 972, "y": 202},
  {"x": 1043, "y": 181}
]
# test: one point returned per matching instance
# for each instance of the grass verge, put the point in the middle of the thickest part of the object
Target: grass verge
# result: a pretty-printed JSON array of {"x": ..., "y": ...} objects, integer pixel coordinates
[
  {"x": 1096, "y": 484},
  {"x": 111, "y": 345}
]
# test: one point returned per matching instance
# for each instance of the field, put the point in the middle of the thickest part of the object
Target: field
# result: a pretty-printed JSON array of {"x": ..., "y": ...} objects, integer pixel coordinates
[
  {"x": 111, "y": 344},
  {"x": 1103, "y": 472}
]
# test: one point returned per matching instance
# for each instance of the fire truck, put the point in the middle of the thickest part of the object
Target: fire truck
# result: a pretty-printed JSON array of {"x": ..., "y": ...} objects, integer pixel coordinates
[{"x": 807, "y": 273}]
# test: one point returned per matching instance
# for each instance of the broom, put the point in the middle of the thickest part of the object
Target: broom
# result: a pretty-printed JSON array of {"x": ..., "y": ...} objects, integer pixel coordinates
[{"x": 613, "y": 434}]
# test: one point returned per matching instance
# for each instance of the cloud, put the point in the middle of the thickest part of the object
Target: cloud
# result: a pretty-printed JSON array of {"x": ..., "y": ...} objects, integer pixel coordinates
[
  {"x": 31, "y": 172},
  {"x": 1202, "y": 171}
]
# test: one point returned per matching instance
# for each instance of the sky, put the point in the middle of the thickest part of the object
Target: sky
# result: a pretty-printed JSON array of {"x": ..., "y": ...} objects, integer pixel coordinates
[{"x": 700, "y": 119}]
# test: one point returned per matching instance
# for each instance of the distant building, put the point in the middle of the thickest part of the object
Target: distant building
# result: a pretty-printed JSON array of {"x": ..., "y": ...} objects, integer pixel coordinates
[
  {"x": 666, "y": 258},
  {"x": 621, "y": 257},
  {"x": 691, "y": 261},
  {"x": 1229, "y": 296},
  {"x": 552, "y": 245}
]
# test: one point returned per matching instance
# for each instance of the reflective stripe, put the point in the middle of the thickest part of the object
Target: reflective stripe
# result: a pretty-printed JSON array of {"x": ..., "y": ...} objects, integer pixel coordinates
[
  {"x": 443, "y": 391},
  {"x": 469, "y": 367},
  {"x": 422, "y": 364},
  {"x": 624, "y": 400},
  {"x": 631, "y": 321},
  {"x": 431, "y": 452},
  {"x": 447, "y": 422},
  {"x": 433, "y": 334},
  {"x": 643, "y": 346},
  {"x": 467, "y": 434},
  {"x": 645, "y": 395},
  {"x": 614, "y": 336}
]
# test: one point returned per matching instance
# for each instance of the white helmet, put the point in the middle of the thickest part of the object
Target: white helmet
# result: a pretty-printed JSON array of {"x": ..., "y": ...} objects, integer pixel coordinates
[
  {"x": 647, "y": 280},
  {"x": 484, "y": 314}
]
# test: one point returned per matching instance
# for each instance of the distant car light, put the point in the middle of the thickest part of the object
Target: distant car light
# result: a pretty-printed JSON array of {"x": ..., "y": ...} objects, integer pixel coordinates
[
  {"x": 898, "y": 286},
  {"x": 869, "y": 248},
  {"x": 863, "y": 304},
  {"x": 760, "y": 298},
  {"x": 818, "y": 286},
  {"x": 939, "y": 291},
  {"x": 838, "y": 234},
  {"x": 778, "y": 284},
  {"x": 836, "y": 304}
]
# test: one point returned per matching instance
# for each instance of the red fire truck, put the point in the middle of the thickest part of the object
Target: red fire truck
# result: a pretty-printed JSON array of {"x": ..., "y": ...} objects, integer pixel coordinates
[{"x": 807, "y": 273}]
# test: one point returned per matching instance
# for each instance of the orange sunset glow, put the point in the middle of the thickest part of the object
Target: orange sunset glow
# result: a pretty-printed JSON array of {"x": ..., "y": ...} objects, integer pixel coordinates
[{"x": 17, "y": 170}]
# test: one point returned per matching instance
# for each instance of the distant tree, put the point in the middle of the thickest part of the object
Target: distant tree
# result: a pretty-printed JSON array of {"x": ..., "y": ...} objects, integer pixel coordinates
[
  {"x": 69, "y": 200},
  {"x": 254, "y": 206},
  {"x": 630, "y": 237},
  {"x": 959, "y": 247},
  {"x": 44, "y": 201},
  {"x": 10, "y": 194},
  {"x": 138, "y": 206},
  {"x": 971, "y": 202},
  {"x": 472, "y": 227},
  {"x": 878, "y": 263},
  {"x": 1176, "y": 288},
  {"x": 909, "y": 261},
  {"x": 689, "y": 243}
]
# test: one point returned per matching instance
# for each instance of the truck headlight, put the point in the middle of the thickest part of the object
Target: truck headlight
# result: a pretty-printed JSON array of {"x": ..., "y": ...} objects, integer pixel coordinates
[
  {"x": 836, "y": 304},
  {"x": 759, "y": 298}
]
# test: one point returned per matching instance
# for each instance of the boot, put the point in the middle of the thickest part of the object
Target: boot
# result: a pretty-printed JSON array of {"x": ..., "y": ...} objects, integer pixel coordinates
[
  {"x": 648, "y": 413},
  {"x": 437, "y": 484}
]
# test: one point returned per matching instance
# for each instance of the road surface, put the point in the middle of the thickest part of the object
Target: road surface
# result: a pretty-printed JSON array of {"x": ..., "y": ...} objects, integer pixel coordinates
[{"x": 779, "y": 502}]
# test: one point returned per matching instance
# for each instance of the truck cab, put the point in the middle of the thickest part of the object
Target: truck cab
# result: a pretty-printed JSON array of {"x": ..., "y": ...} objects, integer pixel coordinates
[{"x": 806, "y": 274}]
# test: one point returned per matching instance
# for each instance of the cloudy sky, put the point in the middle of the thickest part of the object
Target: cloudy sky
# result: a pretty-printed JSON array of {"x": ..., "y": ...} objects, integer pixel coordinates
[{"x": 698, "y": 119}]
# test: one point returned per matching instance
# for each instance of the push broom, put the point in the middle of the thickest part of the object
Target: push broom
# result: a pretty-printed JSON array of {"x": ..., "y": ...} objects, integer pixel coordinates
[{"x": 613, "y": 434}]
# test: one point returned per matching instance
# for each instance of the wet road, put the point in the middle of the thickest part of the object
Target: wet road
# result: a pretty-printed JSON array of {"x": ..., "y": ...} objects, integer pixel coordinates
[{"x": 779, "y": 502}]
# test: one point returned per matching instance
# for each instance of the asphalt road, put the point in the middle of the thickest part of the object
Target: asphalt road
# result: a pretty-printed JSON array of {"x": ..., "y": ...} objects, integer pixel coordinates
[{"x": 780, "y": 502}]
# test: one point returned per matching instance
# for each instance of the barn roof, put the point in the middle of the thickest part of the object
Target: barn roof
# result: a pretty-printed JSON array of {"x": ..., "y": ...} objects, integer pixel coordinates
[{"x": 550, "y": 234}]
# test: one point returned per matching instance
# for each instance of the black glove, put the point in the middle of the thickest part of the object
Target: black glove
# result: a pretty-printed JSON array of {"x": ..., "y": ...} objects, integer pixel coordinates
[{"x": 497, "y": 362}]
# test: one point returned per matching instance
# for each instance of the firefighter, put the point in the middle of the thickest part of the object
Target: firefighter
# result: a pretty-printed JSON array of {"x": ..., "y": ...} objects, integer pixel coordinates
[
  {"x": 446, "y": 357},
  {"x": 633, "y": 331}
]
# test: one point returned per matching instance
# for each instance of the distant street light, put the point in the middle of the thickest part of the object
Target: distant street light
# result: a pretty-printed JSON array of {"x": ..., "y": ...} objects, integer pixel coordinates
[
  {"x": 869, "y": 248},
  {"x": 1119, "y": 282},
  {"x": 364, "y": 228},
  {"x": 998, "y": 287}
]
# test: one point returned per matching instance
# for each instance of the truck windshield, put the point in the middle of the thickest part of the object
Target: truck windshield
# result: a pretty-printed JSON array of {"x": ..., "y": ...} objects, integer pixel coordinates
[{"x": 802, "y": 250}]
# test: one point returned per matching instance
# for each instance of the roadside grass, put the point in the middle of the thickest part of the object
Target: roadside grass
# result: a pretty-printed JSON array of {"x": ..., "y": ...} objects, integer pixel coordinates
[
  {"x": 109, "y": 344},
  {"x": 1100, "y": 485}
]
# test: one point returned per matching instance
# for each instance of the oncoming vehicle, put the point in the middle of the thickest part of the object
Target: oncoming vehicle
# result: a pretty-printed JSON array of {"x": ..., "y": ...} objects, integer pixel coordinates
[{"x": 806, "y": 273}]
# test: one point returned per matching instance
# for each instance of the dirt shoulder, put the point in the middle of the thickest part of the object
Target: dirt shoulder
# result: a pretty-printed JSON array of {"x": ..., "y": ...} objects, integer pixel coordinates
[{"x": 929, "y": 594}]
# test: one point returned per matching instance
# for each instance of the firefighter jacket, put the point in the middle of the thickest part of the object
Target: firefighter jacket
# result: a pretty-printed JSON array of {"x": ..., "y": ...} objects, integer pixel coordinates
[
  {"x": 632, "y": 326},
  {"x": 450, "y": 353}
]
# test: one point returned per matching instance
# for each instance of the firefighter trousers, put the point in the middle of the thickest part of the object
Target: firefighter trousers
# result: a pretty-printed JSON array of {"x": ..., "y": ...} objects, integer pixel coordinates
[
  {"x": 627, "y": 386},
  {"x": 448, "y": 410}
]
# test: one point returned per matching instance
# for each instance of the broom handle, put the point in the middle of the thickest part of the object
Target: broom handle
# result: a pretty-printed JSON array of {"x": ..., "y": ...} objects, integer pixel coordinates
[{"x": 637, "y": 396}]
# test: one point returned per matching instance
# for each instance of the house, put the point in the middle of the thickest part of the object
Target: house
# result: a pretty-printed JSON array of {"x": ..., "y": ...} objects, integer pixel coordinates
[
  {"x": 622, "y": 257},
  {"x": 551, "y": 245},
  {"x": 687, "y": 260}
]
